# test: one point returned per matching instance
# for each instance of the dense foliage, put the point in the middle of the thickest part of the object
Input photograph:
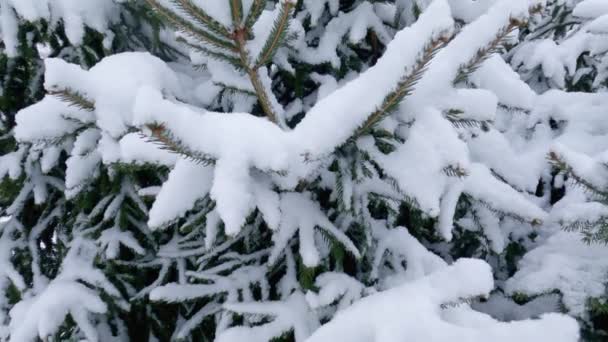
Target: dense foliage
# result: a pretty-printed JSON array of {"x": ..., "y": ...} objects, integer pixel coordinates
[{"x": 312, "y": 170}]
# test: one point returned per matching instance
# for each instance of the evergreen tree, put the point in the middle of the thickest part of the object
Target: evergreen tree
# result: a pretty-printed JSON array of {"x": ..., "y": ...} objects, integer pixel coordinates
[
  {"x": 565, "y": 48},
  {"x": 284, "y": 161}
]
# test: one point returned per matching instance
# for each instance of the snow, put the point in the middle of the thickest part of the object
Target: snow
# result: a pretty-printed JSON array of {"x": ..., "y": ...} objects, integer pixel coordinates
[
  {"x": 291, "y": 314},
  {"x": 401, "y": 54},
  {"x": 412, "y": 311},
  {"x": 399, "y": 245},
  {"x": 254, "y": 187},
  {"x": 565, "y": 263},
  {"x": 42, "y": 314},
  {"x": 497, "y": 76},
  {"x": 189, "y": 182},
  {"x": 355, "y": 24},
  {"x": 317, "y": 7},
  {"x": 8, "y": 28},
  {"x": 482, "y": 185},
  {"x": 96, "y": 14},
  {"x": 56, "y": 126},
  {"x": 591, "y": 9},
  {"x": 334, "y": 286},
  {"x": 134, "y": 149},
  {"x": 300, "y": 214},
  {"x": 105, "y": 84}
]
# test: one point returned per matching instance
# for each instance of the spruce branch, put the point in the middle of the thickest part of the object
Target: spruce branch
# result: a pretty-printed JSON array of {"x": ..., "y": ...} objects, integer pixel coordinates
[
  {"x": 236, "y": 10},
  {"x": 201, "y": 17},
  {"x": 455, "y": 171},
  {"x": 232, "y": 60},
  {"x": 239, "y": 37},
  {"x": 230, "y": 47},
  {"x": 277, "y": 36},
  {"x": 592, "y": 231},
  {"x": 74, "y": 99},
  {"x": 484, "y": 53},
  {"x": 563, "y": 166},
  {"x": 189, "y": 28},
  {"x": 404, "y": 87},
  {"x": 455, "y": 117},
  {"x": 167, "y": 141},
  {"x": 257, "y": 7},
  {"x": 501, "y": 213}
]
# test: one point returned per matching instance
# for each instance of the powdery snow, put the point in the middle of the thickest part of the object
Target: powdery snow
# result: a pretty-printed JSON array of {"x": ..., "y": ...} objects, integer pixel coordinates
[{"x": 565, "y": 263}]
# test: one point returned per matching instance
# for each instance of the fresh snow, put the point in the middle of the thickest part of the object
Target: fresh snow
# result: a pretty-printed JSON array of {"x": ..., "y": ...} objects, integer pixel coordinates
[{"x": 252, "y": 225}]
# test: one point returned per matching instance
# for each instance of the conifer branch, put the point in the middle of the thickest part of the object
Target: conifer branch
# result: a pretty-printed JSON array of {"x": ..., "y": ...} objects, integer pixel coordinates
[
  {"x": 201, "y": 17},
  {"x": 236, "y": 10},
  {"x": 592, "y": 231},
  {"x": 190, "y": 29},
  {"x": 257, "y": 7},
  {"x": 484, "y": 53},
  {"x": 456, "y": 119},
  {"x": 254, "y": 77},
  {"x": 277, "y": 35},
  {"x": 167, "y": 141},
  {"x": 74, "y": 99},
  {"x": 215, "y": 34},
  {"x": 455, "y": 171},
  {"x": 563, "y": 166},
  {"x": 499, "y": 212},
  {"x": 232, "y": 60},
  {"x": 403, "y": 89}
]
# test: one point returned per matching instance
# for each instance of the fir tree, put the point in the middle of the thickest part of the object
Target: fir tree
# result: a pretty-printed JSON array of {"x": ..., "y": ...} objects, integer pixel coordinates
[{"x": 285, "y": 161}]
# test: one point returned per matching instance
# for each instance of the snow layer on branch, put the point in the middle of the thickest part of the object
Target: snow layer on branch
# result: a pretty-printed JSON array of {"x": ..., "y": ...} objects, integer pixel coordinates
[
  {"x": 520, "y": 167},
  {"x": 356, "y": 24},
  {"x": 54, "y": 111},
  {"x": 238, "y": 141},
  {"x": 483, "y": 186},
  {"x": 469, "y": 10},
  {"x": 10, "y": 164},
  {"x": 335, "y": 287},
  {"x": 497, "y": 76},
  {"x": 565, "y": 263},
  {"x": 134, "y": 149},
  {"x": 413, "y": 311},
  {"x": 75, "y": 14},
  {"x": 188, "y": 182},
  {"x": 591, "y": 9},
  {"x": 41, "y": 314},
  {"x": 290, "y": 314},
  {"x": 333, "y": 120},
  {"x": 437, "y": 83},
  {"x": 559, "y": 58},
  {"x": 566, "y": 213},
  {"x": 317, "y": 7},
  {"x": 585, "y": 114},
  {"x": 431, "y": 145},
  {"x": 299, "y": 213},
  {"x": 584, "y": 166},
  {"x": 8, "y": 29},
  {"x": 398, "y": 246},
  {"x": 109, "y": 87}
]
